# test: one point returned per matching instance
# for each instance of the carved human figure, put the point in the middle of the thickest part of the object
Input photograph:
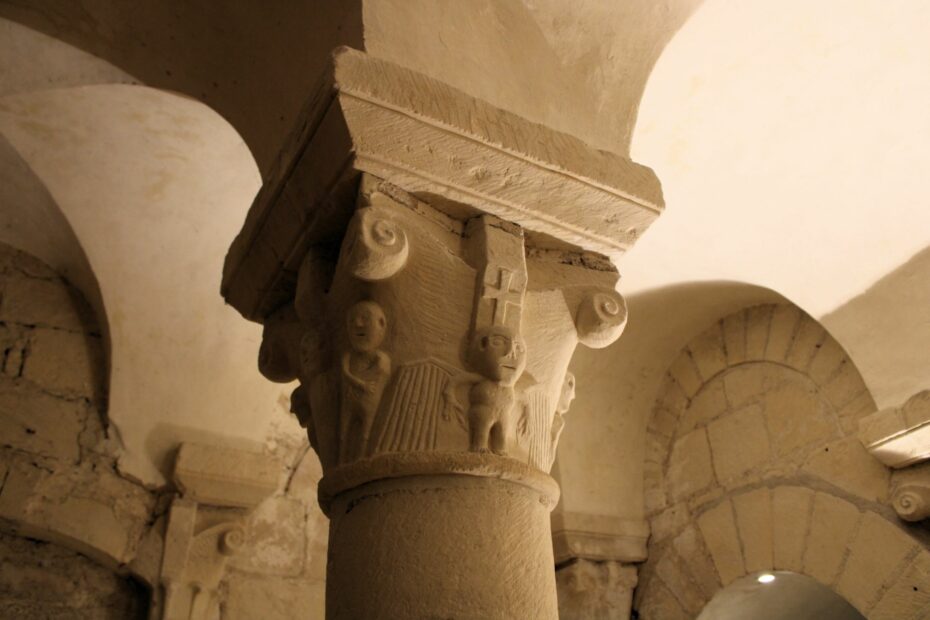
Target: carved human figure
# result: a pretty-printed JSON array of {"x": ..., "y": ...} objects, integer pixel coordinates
[
  {"x": 365, "y": 372},
  {"x": 565, "y": 402},
  {"x": 499, "y": 357}
]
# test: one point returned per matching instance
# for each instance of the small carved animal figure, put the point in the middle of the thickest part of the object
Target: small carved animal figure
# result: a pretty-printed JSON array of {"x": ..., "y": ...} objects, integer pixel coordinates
[
  {"x": 365, "y": 373},
  {"x": 499, "y": 357}
]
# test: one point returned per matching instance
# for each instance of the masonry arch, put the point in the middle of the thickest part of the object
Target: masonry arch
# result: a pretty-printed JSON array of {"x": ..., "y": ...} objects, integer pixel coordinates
[
  {"x": 752, "y": 464},
  {"x": 870, "y": 561},
  {"x": 155, "y": 183}
]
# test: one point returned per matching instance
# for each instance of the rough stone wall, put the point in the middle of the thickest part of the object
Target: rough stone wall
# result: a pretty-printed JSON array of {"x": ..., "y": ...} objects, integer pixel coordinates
[
  {"x": 57, "y": 481},
  {"x": 41, "y": 580},
  {"x": 753, "y": 464}
]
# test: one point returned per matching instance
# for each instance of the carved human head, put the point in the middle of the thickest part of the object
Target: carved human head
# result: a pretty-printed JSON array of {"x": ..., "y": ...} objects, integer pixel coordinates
[
  {"x": 366, "y": 325},
  {"x": 498, "y": 354},
  {"x": 568, "y": 393}
]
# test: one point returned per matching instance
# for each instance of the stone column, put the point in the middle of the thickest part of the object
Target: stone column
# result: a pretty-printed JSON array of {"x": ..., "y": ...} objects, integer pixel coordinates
[{"x": 425, "y": 264}]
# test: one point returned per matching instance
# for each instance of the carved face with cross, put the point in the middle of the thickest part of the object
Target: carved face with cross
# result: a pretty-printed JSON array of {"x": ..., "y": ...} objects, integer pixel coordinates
[{"x": 499, "y": 354}]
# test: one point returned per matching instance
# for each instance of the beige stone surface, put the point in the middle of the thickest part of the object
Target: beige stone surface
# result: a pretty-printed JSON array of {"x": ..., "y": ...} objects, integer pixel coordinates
[
  {"x": 675, "y": 575},
  {"x": 833, "y": 523},
  {"x": 797, "y": 416},
  {"x": 275, "y": 539},
  {"x": 844, "y": 386},
  {"x": 43, "y": 580},
  {"x": 739, "y": 442},
  {"x": 826, "y": 361},
  {"x": 600, "y": 590},
  {"x": 754, "y": 521},
  {"x": 371, "y": 536},
  {"x": 721, "y": 536},
  {"x": 707, "y": 405},
  {"x": 223, "y": 476},
  {"x": 734, "y": 337},
  {"x": 848, "y": 465},
  {"x": 663, "y": 422},
  {"x": 784, "y": 324},
  {"x": 898, "y": 436},
  {"x": 58, "y": 362},
  {"x": 709, "y": 352},
  {"x": 758, "y": 319},
  {"x": 684, "y": 371},
  {"x": 690, "y": 469},
  {"x": 908, "y": 595},
  {"x": 252, "y": 596},
  {"x": 39, "y": 423},
  {"x": 876, "y": 552},
  {"x": 689, "y": 545},
  {"x": 806, "y": 341},
  {"x": 102, "y": 516},
  {"x": 744, "y": 384},
  {"x": 790, "y": 524},
  {"x": 659, "y": 602},
  {"x": 43, "y": 302},
  {"x": 597, "y": 537}
]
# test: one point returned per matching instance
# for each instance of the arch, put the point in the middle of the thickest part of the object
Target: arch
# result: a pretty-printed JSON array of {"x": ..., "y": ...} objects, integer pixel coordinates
[
  {"x": 706, "y": 390},
  {"x": 228, "y": 57},
  {"x": 872, "y": 563},
  {"x": 746, "y": 120},
  {"x": 753, "y": 464},
  {"x": 155, "y": 185},
  {"x": 611, "y": 409},
  {"x": 31, "y": 221}
]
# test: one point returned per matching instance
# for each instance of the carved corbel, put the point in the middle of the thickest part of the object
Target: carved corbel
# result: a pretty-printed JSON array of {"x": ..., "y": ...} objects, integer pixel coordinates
[
  {"x": 595, "y": 589},
  {"x": 206, "y": 525},
  {"x": 899, "y": 437}
]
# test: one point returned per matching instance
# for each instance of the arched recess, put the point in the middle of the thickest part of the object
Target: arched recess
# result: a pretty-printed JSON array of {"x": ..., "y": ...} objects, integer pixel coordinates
[
  {"x": 876, "y": 566},
  {"x": 752, "y": 462},
  {"x": 155, "y": 185},
  {"x": 31, "y": 221}
]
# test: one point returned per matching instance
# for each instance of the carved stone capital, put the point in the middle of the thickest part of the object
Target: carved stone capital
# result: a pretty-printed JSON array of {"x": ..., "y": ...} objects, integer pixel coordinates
[
  {"x": 425, "y": 265},
  {"x": 206, "y": 525},
  {"x": 591, "y": 589},
  {"x": 427, "y": 276},
  {"x": 437, "y": 335}
]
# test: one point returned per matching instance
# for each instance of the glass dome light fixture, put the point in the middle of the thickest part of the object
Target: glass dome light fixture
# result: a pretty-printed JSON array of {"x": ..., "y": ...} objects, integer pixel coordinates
[{"x": 765, "y": 578}]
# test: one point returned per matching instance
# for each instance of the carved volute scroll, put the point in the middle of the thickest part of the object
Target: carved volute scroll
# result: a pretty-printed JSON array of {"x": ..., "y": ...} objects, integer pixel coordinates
[
  {"x": 429, "y": 335},
  {"x": 601, "y": 318},
  {"x": 376, "y": 246},
  {"x": 912, "y": 501}
]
